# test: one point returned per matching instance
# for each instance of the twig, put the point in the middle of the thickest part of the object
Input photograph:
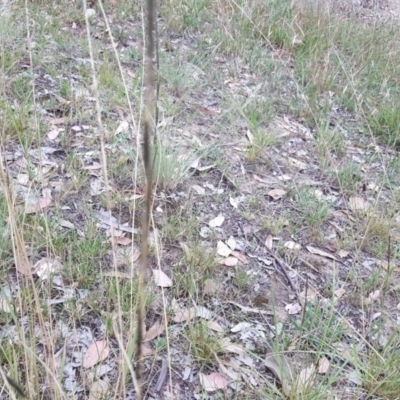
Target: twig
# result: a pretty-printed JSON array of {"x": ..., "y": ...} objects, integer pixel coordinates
[
  {"x": 282, "y": 265},
  {"x": 147, "y": 133},
  {"x": 163, "y": 376}
]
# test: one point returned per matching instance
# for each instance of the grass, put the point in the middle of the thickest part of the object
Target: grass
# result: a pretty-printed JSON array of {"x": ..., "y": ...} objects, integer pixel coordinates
[{"x": 268, "y": 95}]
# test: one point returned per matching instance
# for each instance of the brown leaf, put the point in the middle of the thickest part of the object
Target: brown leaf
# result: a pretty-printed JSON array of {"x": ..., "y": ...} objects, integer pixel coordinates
[
  {"x": 223, "y": 250},
  {"x": 276, "y": 194},
  {"x": 122, "y": 127},
  {"x": 292, "y": 245},
  {"x": 206, "y": 110},
  {"x": 45, "y": 267},
  {"x": 269, "y": 181},
  {"x": 229, "y": 372},
  {"x": 215, "y": 326},
  {"x": 246, "y": 309},
  {"x": 96, "y": 352},
  {"x": 305, "y": 378},
  {"x": 229, "y": 347},
  {"x": 67, "y": 224},
  {"x": 44, "y": 202},
  {"x": 135, "y": 256},
  {"x": 293, "y": 308},
  {"x": 147, "y": 351},
  {"x": 320, "y": 252},
  {"x": 98, "y": 390},
  {"x": 56, "y": 121},
  {"x": 156, "y": 330},
  {"x": 213, "y": 381},
  {"x": 339, "y": 292},
  {"x": 311, "y": 295},
  {"x": 268, "y": 242},
  {"x": 280, "y": 367},
  {"x": 54, "y": 132},
  {"x": 210, "y": 287},
  {"x": 184, "y": 314},
  {"x": 239, "y": 256},
  {"x": 358, "y": 204},
  {"x": 250, "y": 136},
  {"x": 22, "y": 263},
  {"x": 229, "y": 261},
  {"x": 122, "y": 240},
  {"x": 323, "y": 365}
]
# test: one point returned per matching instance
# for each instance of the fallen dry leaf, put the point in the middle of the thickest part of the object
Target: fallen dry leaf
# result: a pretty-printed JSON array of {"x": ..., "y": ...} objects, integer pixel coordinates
[
  {"x": 207, "y": 110},
  {"x": 268, "y": 242},
  {"x": 343, "y": 253},
  {"x": 67, "y": 224},
  {"x": 358, "y": 204},
  {"x": 375, "y": 316},
  {"x": 96, "y": 187},
  {"x": 311, "y": 295},
  {"x": 229, "y": 372},
  {"x": 147, "y": 351},
  {"x": 215, "y": 326},
  {"x": 96, "y": 352},
  {"x": 229, "y": 261},
  {"x": 339, "y": 292},
  {"x": 355, "y": 377},
  {"x": 23, "y": 179},
  {"x": 54, "y": 132},
  {"x": 293, "y": 308},
  {"x": 198, "y": 189},
  {"x": 210, "y": 287},
  {"x": 217, "y": 221},
  {"x": 276, "y": 194},
  {"x": 241, "y": 325},
  {"x": 323, "y": 365},
  {"x": 235, "y": 201},
  {"x": 98, "y": 390},
  {"x": 305, "y": 378},
  {"x": 292, "y": 245},
  {"x": 280, "y": 367},
  {"x": 156, "y": 330},
  {"x": 5, "y": 304},
  {"x": 250, "y": 136},
  {"x": 203, "y": 312},
  {"x": 246, "y": 309},
  {"x": 161, "y": 279},
  {"x": 185, "y": 315},
  {"x": 122, "y": 128},
  {"x": 223, "y": 250},
  {"x": 123, "y": 240},
  {"x": 269, "y": 181},
  {"x": 104, "y": 217},
  {"x": 373, "y": 296},
  {"x": 240, "y": 256},
  {"x": 213, "y": 381},
  {"x": 296, "y": 163},
  {"x": 228, "y": 346},
  {"x": 231, "y": 242},
  {"x": 45, "y": 267},
  {"x": 135, "y": 256},
  {"x": 42, "y": 203},
  {"x": 320, "y": 252}
]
